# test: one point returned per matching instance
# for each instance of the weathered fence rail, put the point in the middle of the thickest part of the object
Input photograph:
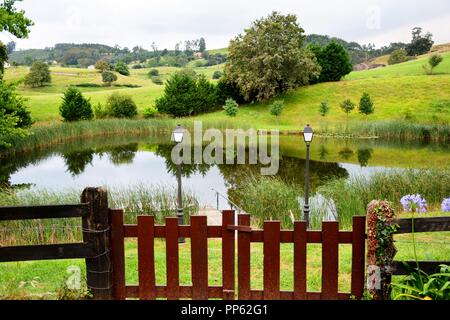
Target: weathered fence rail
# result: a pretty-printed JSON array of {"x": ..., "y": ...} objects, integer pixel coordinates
[
  {"x": 418, "y": 225},
  {"x": 271, "y": 236},
  {"x": 95, "y": 247},
  {"x": 381, "y": 263}
]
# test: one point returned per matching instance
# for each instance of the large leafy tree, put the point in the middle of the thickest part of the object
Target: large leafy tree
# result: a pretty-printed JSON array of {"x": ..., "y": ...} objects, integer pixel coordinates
[
  {"x": 268, "y": 58},
  {"x": 39, "y": 75},
  {"x": 421, "y": 43},
  {"x": 334, "y": 60},
  {"x": 13, "y": 115}
]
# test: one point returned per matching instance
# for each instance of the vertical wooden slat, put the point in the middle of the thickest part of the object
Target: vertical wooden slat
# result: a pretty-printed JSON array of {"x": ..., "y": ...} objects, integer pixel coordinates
[
  {"x": 330, "y": 260},
  {"x": 244, "y": 259},
  {"x": 228, "y": 254},
  {"x": 199, "y": 257},
  {"x": 172, "y": 259},
  {"x": 146, "y": 257},
  {"x": 300, "y": 250},
  {"x": 118, "y": 254},
  {"x": 272, "y": 260},
  {"x": 358, "y": 255}
]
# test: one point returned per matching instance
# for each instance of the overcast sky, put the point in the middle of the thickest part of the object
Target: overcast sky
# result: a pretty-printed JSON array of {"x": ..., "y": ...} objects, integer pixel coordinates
[{"x": 141, "y": 22}]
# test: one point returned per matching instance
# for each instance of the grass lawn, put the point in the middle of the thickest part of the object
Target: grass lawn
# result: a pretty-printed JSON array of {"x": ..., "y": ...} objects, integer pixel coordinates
[
  {"x": 42, "y": 279},
  {"x": 394, "y": 90}
]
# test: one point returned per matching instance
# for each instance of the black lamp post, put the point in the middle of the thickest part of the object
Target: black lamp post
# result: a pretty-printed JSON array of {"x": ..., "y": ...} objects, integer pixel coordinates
[
  {"x": 308, "y": 135},
  {"x": 177, "y": 137}
]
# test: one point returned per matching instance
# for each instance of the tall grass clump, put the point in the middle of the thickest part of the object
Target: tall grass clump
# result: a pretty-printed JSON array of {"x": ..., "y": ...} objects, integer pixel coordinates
[
  {"x": 46, "y": 136},
  {"x": 140, "y": 199},
  {"x": 352, "y": 196},
  {"x": 268, "y": 198},
  {"x": 401, "y": 130}
]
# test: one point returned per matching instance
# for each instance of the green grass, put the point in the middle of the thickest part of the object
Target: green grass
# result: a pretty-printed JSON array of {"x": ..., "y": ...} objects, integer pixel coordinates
[
  {"x": 394, "y": 90},
  {"x": 44, "y": 102},
  {"x": 409, "y": 68},
  {"x": 49, "y": 276}
]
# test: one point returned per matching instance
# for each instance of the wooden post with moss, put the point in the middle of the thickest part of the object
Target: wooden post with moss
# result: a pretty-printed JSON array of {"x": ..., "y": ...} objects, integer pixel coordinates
[
  {"x": 380, "y": 248},
  {"x": 96, "y": 232}
]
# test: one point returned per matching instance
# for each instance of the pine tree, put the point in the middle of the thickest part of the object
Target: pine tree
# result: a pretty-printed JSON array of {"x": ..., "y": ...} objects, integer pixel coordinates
[{"x": 366, "y": 106}]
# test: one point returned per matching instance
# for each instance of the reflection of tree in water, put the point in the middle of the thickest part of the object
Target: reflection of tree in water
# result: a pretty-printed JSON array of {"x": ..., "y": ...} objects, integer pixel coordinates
[
  {"x": 323, "y": 152},
  {"x": 346, "y": 153},
  {"x": 123, "y": 154},
  {"x": 165, "y": 151},
  {"x": 364, "y": 156},
  {"x": 291, "y": 170},
  {"x": 76, "y": 161}
]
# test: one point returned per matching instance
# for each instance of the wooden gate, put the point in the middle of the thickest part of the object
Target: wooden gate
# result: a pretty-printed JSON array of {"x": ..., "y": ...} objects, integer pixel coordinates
[{"x": 271, "y": 236}]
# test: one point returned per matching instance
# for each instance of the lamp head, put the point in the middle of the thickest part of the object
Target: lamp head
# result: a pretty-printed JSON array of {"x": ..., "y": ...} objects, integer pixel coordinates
[
  {"x": 178, "y": 134},
  {"x": 308, "y": 134}
]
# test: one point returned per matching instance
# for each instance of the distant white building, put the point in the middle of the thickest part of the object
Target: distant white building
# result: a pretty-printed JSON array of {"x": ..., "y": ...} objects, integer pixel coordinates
[{"x": 91, "y": 67}]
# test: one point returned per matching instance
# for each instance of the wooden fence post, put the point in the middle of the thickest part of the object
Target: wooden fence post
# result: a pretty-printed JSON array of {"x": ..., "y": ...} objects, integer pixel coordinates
[
  {"x": 380, "y": 249},
  {"x": 96, "y": 232}
]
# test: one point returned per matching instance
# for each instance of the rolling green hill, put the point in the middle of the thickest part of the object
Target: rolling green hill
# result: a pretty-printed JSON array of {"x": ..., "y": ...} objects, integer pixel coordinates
[{"x": 396, "y": 90}]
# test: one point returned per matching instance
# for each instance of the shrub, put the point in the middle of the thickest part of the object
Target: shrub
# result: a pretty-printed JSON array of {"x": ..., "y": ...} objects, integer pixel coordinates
[
  {"x": 39, "y": 75},
  {"x": 121, "y": 106},
  {"x": 366, "y": 104},
  {"x": 228, "y": 89},
  {"x": 277, "y": 108},
  {"x": 157, "y": 80},
  {"x": 100, "y": 112},
  {"x": 153, "y": 73},
  {"x": 14, "y": 105},
  {"x": 150, "y": 112},
  {"x": 102, "y": 65},
  {"x": 217, "y": 75},
  {"x": 187, "y": 94},
  {"x": 108, "y": 77},
  {"x": 334, "y": 61},
  {"x": 398, "y": 56},
  {"x": 75, "y": 107},
  {"x": 231, "y": 107},
  {"x": 137, "y": 66},
  {"x": 324, "y": 108},
  {"x": 433, "y": 62},
  {"x": 122, "y": 68}
]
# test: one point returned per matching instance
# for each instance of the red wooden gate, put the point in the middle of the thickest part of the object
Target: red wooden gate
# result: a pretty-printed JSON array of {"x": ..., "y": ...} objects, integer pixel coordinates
[{"x": 271, "y": 236}]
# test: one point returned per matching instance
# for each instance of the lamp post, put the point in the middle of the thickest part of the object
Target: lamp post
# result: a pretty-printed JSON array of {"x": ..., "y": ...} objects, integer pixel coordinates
[
  {"x": 177, "y": 137},
  {"x": 308, "y": 135}
]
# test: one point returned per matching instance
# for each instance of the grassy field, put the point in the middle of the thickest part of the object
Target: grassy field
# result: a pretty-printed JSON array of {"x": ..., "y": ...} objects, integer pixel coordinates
[
  {"x": 43, "y": 279},
  {"x": 395, "y": 90},
  {"x": 44, "y": 102}
]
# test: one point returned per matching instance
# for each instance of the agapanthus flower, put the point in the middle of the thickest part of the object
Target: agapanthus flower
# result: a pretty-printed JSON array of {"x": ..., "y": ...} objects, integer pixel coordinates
[
  {"x": 414, "y": 202},
  {"x": 446, "y": 205}
]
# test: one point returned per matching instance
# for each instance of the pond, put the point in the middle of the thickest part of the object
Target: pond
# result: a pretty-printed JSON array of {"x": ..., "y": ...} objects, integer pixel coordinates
[{"x": 122, "y": 161}]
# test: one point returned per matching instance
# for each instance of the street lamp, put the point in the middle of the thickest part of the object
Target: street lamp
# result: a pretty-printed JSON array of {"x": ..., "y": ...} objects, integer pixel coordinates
[
  {"x": 308, "y": 135},
  {"x": 177, "y": 137}
]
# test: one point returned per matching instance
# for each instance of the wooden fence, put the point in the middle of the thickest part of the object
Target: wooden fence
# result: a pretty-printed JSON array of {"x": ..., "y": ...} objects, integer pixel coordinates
[
  {"x": 199, "y": 232},
  {"x": 95, "y": 247},
  {"x": 418, "y": 225}
]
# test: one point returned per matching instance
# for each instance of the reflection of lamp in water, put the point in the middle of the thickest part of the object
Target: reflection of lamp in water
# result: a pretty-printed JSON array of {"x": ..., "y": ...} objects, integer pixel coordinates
[
  {"x": 177, "y": 137},
  {"x": 308, "y": 135}
]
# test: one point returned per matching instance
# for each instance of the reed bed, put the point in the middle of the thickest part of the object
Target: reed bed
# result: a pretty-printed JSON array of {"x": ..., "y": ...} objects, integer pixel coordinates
[
  {"x": 156, "y": 200},
  {"x": 272, "y": 199},
  {"x": 391, "y": 130}
]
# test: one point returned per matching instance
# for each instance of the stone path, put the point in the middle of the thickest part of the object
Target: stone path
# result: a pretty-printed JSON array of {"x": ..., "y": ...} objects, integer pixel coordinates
[{"x": 214, "y": 217}]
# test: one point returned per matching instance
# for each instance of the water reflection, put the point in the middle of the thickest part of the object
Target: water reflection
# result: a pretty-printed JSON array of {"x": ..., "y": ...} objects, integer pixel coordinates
[{"x": 120, "y": 160}]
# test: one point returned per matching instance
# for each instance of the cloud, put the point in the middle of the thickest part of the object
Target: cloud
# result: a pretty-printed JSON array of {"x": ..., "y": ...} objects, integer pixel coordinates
[{"x": 132, "y": 22}]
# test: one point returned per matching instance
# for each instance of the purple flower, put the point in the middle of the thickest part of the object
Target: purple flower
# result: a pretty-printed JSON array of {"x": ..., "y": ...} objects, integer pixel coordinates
[
  {"x": 414, "y": 202},
  {"x": 446, "y": 205}
]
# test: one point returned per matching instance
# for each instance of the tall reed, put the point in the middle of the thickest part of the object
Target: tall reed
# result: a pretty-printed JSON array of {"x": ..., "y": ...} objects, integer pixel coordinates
[{"x": 157, "y": 200}]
